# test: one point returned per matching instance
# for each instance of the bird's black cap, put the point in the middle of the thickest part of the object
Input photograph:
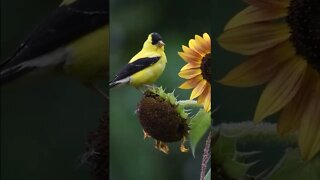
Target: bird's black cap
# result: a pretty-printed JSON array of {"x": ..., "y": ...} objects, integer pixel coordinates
[{"x": 155, "y": 38}]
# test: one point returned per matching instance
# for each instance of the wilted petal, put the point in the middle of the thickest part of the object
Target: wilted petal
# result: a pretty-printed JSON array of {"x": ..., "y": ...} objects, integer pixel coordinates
[
  {"x": 254, "y": 14},
  {"x": 254, "y": 38},
  {"x": 281, "y": 89}
]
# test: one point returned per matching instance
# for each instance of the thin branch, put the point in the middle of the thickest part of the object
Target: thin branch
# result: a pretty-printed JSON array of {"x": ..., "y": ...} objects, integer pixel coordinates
[{"x": 206, "y": 157}]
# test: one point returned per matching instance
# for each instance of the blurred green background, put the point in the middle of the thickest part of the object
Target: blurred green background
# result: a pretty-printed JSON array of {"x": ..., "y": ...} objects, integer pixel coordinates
[
  {"x": 44, "y": 124},
  {"x": 132, "y": 157}
]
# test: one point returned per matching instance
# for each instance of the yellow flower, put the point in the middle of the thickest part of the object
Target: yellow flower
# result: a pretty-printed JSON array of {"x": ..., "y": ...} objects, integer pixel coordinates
[
  {"x": 282, "y": 39},
  {"x": 198, "y": 70}
]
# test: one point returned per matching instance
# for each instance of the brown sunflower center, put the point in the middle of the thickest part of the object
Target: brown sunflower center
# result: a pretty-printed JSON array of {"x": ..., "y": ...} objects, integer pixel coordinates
[
  {"x": 160, "y": 119},
  {"x": 304, "y": 20},
  {"x": 206, "y": 67}
]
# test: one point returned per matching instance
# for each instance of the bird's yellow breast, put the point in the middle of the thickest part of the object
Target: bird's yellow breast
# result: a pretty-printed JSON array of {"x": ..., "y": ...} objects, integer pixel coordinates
[
  {"x": 151, "y": 73},
  {"x": 89, "y": 56}
]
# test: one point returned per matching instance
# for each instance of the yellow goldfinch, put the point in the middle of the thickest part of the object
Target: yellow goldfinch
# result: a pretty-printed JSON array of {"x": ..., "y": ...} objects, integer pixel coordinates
[
  {"x": 73, "y": 40},
  {"x": 146, "y": 66}
]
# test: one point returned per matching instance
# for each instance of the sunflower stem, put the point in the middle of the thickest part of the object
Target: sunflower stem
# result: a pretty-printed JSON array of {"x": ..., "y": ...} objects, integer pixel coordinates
[
  {"x": 189, "y": 103},
  {"x": 248, "y": 131}
]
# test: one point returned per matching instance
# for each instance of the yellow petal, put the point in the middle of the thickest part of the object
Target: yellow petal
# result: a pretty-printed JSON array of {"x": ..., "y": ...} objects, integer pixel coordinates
[
  {"x": 189, "y": 58},
  {"x": 207, "y": 101},
  {"x": 269, "y": 3},
  {"x": 201, "y": 46},
  {"x": 202, "y": 97},
  {"x": 191, "y": 83},
  {"x": 281, "y": 89},
  {"x": 192, "y": 44},
  {"x": 309, "y": 133},
  {"x": 254, "y": 38},
  {"x": 206, "y": 37},
  {"x": 292, "y": 114},
  {"x": 290, "y": 118},
  {"x": 316, "y": 146},
  {"x": 190, "y": 66},
  {"x": 254, "y": 14},
  {"x": 189, "y": 73},
  {"x": 198, "y": 89},
  {"x": 191, "y": 52},
  {"x": 260, "y": 68}
]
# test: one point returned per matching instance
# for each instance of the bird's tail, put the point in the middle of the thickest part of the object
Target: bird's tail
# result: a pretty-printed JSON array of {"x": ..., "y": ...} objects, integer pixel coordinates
[
  {"x": 4, "y": 63},
  {"x": 4, "y": 73},
  {"x": 117, "y": 82},
  {"x": 9, "y": 74},
  {"x": 11, "y": 71},
  {"x": 113, "y": 84}
]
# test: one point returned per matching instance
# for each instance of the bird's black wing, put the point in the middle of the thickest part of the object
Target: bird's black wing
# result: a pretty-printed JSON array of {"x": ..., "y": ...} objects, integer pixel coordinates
[
  {"x": 135, "y": 66},
  {"x": 65, "y": 24}
]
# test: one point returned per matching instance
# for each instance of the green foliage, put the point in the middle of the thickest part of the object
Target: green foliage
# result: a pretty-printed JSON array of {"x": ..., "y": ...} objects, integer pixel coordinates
[
  {"x": 293, "y": 167},
  {"x": 224, "y": 147},
  {"x": 234, "y": 169},
  {"x": 228, "y": 162},
  {"x": 208, "y": 176},
  {"x": 200, "y": 123},
  {"x": 224, "y": 158}
]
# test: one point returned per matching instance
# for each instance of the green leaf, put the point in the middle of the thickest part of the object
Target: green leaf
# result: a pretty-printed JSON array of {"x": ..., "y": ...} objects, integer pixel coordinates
[
  {"x": 208, "y": 175},
  {"x": 224, "y": 147},
  {"x": 200, "y": 123},
  {"x": 234, "y": 169},
  {"x": 224, "y": 157},
  {"x": 294, "y": 168}
]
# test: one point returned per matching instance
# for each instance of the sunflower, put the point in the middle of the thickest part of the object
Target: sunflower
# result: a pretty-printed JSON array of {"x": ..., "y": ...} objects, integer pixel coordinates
[
  {"x": 282, "y": 40},
  {"x": 198, "y": 70},
  {"x": 163, "y": 119}
]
